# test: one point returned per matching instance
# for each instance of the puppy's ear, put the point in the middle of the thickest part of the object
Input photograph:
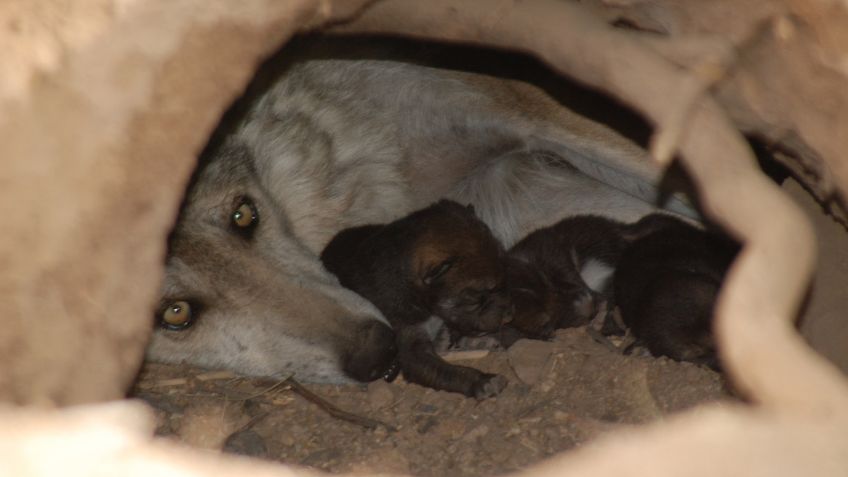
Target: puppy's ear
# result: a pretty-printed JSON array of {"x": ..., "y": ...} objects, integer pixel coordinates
[
  {"x": 470, "y": 209},
  {"x": 437, "y": 271}
]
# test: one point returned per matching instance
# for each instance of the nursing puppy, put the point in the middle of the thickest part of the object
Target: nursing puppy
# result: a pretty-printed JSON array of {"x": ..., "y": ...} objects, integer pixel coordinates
[
  {"x": 546, "y": 268},
  {"x": 666, "y": 285},
  {"x": 559, "y": 275},
  {"x": 442, "y": 261}
]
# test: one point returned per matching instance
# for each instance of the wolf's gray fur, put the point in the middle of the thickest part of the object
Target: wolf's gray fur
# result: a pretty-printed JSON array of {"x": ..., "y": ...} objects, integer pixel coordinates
[{"x": 339, "y": 143}]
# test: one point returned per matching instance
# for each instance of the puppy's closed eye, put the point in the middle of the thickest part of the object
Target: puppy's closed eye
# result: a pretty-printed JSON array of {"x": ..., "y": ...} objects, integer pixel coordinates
[{"x": 438, "y": 271}]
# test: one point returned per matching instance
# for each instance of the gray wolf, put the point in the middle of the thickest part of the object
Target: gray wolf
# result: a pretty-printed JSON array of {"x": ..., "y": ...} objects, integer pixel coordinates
[
  {"x": 330, "y": 143},
  {"x": 438, "y": 261}
]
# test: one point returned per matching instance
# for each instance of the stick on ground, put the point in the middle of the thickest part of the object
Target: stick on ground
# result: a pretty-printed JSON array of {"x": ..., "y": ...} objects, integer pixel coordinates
[{"x": 334, "y": 410}]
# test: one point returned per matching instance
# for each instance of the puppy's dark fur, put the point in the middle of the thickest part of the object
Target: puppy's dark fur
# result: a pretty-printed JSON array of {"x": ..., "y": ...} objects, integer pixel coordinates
[
  {"x": 544, "y": 272},
  {"x": 441, "y": 260},
  {"x": 666, "y": 285},
  {"x": 666, "y": 277}
]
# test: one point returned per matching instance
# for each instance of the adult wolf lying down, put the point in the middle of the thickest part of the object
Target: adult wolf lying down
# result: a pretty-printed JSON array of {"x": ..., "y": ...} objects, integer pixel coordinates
[{"x": 336, "y": 143}]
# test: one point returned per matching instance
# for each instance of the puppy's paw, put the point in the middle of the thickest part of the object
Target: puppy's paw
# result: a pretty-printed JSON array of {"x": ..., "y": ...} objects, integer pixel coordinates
[
  {"x": 489, "y": 385},
  {"x": 585, "y": 305}
]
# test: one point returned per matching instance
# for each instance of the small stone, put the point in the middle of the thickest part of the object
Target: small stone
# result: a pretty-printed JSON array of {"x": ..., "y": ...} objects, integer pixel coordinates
[
  {"x": 380, "y": 433},
  {"x": 476, "y": 433},
  {"x": 247, "y": 443},
  {"x": 450, "y": 428},
  {"x": 380, "y": 394},
  {"x": 426, "y": 425},
  {"x": 529, "y": 359}
]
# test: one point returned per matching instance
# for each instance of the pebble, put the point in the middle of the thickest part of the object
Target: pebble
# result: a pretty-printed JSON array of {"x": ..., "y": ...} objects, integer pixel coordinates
[
  {"x": 286, "y": 440},
  {"x": 425, "y": 425},
  {"x": 450, "y": 428},
  {"x": 476, "y": 433},
  {"x": 528, "y": 359},
  {"x": 247, "y": 443},
  {"x": 380, "y": 433},
  {"x": 380, "y": 394}
]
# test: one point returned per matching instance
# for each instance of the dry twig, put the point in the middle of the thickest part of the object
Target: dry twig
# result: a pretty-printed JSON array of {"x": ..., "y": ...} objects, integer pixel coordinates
[
  {"x": 267, "y": 390},
  {"x": 331, "y": 408}
]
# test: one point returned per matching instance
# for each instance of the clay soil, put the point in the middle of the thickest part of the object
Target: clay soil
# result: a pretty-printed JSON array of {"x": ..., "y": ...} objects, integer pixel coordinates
[{"x": 561, "y": 395}]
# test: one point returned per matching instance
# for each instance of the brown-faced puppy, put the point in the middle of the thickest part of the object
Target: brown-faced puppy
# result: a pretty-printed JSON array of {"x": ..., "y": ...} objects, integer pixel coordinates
[
  {"x": 442, "y": 261},
  {"x": 666, "y": 284}
]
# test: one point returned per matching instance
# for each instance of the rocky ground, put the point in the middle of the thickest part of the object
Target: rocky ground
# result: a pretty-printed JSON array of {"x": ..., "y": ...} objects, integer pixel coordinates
[{"x": 561, "y": 394}]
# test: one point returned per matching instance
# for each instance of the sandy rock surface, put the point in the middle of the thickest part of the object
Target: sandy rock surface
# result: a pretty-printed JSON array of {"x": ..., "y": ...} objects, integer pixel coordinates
[{"x": 571, "y": 390}]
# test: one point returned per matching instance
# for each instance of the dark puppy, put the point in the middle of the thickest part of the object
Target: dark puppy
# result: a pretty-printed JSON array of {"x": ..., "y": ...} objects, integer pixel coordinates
[
  {"x": 666, "y": 284},
  {"x": 557, "y": 276},
  {"x": 440, "y": 261}
]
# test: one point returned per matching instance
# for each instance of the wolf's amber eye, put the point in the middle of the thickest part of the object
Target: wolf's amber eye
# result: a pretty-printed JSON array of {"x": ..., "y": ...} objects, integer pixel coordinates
[
  {"x": 244, "y": 216},
  {"x": 176, "y": 316}
]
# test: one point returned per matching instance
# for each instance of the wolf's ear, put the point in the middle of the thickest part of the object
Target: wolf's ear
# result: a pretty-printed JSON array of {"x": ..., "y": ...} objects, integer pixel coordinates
[{"x": 437, "y": 271}]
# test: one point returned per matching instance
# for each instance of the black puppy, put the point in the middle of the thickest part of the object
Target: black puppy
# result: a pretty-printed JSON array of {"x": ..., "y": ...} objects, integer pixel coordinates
[
  {"x": 559, "y": 275},
  {"x": 556, "y": 275},
  {"x": 442, "y": 261},
  {"x": 666, "y": 285},
  {"x": 667, "y": 274}
]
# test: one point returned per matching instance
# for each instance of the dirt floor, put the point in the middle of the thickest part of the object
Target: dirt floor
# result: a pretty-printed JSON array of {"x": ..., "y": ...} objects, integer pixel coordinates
[{"x": 561, "y": 394}]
